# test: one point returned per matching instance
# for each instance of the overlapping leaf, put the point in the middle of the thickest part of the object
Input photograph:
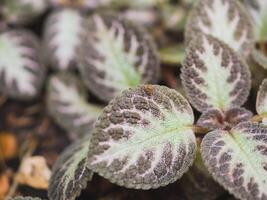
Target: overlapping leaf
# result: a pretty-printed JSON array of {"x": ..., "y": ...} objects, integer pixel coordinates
[
  {"x": 215, "y": 119},
  {"x": 223, "y": 19},
  {"x": 21, "y": 69},
  {"x": 23, "y": 11},
  {"x": 116, "y": 55},
  {"x": 238, "y": 159},
  {"x": 62, "y": 35},
  {"x": 144, "y": 138},
  {"x": 261, "y": 104},
  {"x": 67, "y": 103},
  {"x": 258, "y": 12},
  {"x": 70, "y": 173},
  {"x": 24, "y": 198},
  {"x": 214, "y": 76}
]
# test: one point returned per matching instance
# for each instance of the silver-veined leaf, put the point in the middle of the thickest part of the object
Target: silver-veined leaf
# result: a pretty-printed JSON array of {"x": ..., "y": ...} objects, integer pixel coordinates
[
  {"x": 237, "y": 159},
  {"x": 21, "y": 69},
  {"x": 24, "y": 198},
  {"x": 68, "y": 105},
  {"x": 261, "y": 103},
  {"x": 62, "y": 35},
  {"x": 215, "y": 119},
  {"x": 144, "y": 138},
  {"x": 70, "y": 173},
  {"x": 258, "y": 12},
  {"x": 116, "y": 55},
  {"x": 214, "y": 76},
  {"x": 223, "y": 19},
  {"x": 23, "y": 11}
]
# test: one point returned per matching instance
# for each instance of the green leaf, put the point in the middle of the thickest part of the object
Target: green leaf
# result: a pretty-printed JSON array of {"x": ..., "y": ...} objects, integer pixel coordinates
[
  {"x": 225, "y": 20},
  {"x": 261, "y": 103},
  {"x": 214, "y": 76},
  {"x": 116, "y": 55},
  {"x": 70, "y": 173},
  {"x": 62, "y": 35},
  {"x": 144, "y": 138},
  {"x": 21, "y": 69},
  {"x": 23, "y": 11},
  {"x": 237, "y": 159},
  {"x": 67, "y": 104}
]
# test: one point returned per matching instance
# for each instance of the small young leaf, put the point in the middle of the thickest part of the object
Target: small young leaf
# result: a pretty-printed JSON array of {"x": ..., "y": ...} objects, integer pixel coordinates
[
  {"x": 67, "y": 103},
  {"x": 214, "y": 76},
  {"x": 21, "y": 69},
  {"x": 258, "y": 12},
  {"x": 215, "y": 119},
  {"x": 238, "y": 159},
  {"x": 144, "y": 138},
  {"x": 116, "y": 55},
  {"x": 23, "y": 11},
  {"x": 62, "y": 35},
  {"x": 70, "y": 173},
  {"x": 24, "y": 198},
  {"x": 261, "y": 103},
  {"x": 223, "y": 19}
]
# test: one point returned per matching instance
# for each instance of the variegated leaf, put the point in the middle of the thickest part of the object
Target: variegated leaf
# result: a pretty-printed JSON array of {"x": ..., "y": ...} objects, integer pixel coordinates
[
  {"x": 116, "y": 55},
  {"x": 21, "y": 69},
  {"x": 214, "y": 76},
  {"x": 258, "y": 12},
  {"x": 215, "y": 119},
  {"x": 261, "y": 104},
  {"x": 223, "y": 19},
  {"x": 67, "y": 104},
  {"x": 144, "y": 138},
  {"x": 62, "y": 35},
  {"x": 24, "y": 198},
  {"x": 238, "y": 159},
  {"x": 70, "y": 173},
  {"x": 23, "y": 11}
]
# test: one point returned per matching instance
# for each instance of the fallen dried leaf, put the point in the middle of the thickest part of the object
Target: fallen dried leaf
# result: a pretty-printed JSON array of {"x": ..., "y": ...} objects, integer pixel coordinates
[
  {"x": 8, "y": 145},
  {"x": 34, "y": 172},
  {"x": 4, "y": 186}
]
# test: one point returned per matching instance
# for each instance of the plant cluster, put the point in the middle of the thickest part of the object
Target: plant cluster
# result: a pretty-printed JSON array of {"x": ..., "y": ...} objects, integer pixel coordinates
[{"x": 145, "y": 135}]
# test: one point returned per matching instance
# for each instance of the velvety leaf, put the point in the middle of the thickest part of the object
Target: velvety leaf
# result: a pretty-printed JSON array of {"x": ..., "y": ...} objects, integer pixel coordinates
[
  {"x": 23, "y": 11},
  {"x": 215, "y": 119},
  {"x": 214, "y": 76},
  {"x": 21, "y": 69},
  {"x": 24, "y": 198},
  {"x": 70, "y": 173},
  {"x": 223, "y": 19},
  {"x": 144, "y": 138},
  {"x": 62, "y": 35},
  {"x": 116, "y": 55},
  {"x": 237, "y": 159},
  {"x": 67, "y": 104},
  {"x": 261, "y": 103}
]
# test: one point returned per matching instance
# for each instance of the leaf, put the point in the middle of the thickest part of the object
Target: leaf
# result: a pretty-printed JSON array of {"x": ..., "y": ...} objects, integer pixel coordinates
[
  {"x": 67, "y": 104},
  {"x": 70, "y": 173},
  {"x": 215, "y": 119},
  {"x": 237, "y": 159},
  {"x": 23, "y": 11},
  {"x": 21, "y": 69},
  {"x": 144, "y": 138},
  {"x": 116, "y": 55},
  {"x": 261, "y": 103},
  {"x": 62, "y": 35},
  {"x": 223, "y": 19},
  {"x": 258, "y": 13},
  {"x": 214, "y": 76},
  {"x": 24, "y": 198}
]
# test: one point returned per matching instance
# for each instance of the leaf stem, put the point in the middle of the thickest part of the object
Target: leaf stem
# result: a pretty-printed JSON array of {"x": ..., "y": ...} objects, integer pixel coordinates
[
  {"x": 256, "y": 118},
  {"x": 199, "y": 130}
]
